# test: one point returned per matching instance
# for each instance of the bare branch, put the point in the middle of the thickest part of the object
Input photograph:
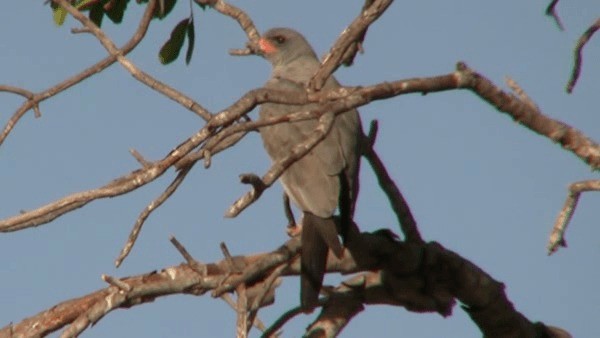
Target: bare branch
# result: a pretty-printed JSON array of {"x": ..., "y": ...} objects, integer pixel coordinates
[
  {"x": 94, "y": 69},
  {"x": 407, "y": 222},
  {"x": 557, "y": 236},
  {"x": 233, "y": 267},
  {"x": 137, "y": 73},
  {"x": 26, "y": 94},
  {"x": 281, "y": 321},
  {"x": 551, "y": 11},
  {"x": 143, "y": 176},
  {"x": 117, "y": 187},
  {"x": 138, "y": 157},
  {"x": 257, "y": 322},
  {"x": 578, "y": 54},
  {"x": 516, "y": 88},
  {"x": 235, "y": 13},
  {"x": 155, "y": 204},
  {"x": 193, "y": 263},
  {"x": 352, "y": 35},
  {"x": 414, "y": 276},
  {"x": 568, "y": 137},
  {"x": 334, "y": 102},
  {"x": 242, "y": 312}
]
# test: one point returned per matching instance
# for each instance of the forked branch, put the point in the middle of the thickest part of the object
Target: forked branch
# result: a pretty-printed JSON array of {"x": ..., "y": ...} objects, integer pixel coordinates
[{"x": 35, "y": 99}]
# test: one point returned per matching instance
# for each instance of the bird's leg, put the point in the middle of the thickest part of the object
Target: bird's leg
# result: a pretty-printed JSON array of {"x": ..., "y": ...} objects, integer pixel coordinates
[{"x": 293, "y": 229}]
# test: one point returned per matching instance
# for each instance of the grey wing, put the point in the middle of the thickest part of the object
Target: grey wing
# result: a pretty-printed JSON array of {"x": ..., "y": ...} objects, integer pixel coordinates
[
  {"x": 312, "y": 182},
  {"x": 347, "y": 135}
]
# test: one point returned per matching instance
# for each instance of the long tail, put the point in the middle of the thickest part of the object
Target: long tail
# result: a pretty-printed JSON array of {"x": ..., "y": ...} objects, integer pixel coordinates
[{"x": 318, "y": 236}]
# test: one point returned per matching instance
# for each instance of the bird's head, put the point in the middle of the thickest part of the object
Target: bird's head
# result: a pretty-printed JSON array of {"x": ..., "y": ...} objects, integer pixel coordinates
[{"x": 283, "y": 45}]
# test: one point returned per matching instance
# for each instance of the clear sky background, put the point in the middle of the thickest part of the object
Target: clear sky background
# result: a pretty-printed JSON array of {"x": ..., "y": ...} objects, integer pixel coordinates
[{"x": 477, "y": 182}]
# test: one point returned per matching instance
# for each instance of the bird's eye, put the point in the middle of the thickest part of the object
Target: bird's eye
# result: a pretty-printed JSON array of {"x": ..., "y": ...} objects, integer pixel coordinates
[{"x": 279, "y": 39}]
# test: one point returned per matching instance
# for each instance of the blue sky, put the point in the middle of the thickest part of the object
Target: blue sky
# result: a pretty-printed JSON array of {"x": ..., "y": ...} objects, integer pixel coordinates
[{"x": 477, "y": 182}]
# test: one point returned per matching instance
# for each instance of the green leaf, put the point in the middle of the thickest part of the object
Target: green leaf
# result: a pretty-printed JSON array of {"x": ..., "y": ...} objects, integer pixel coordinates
[
  {"x": 170, "y": 50},
  {"x": 59, "y": 14},
  {"x": 165, "y": 9},
  {"x": 97, "y": 14},
  {"x": 115, "y": 9},
  {"x": 82, "y": 4},
  {"x": 191, "y": 35}
]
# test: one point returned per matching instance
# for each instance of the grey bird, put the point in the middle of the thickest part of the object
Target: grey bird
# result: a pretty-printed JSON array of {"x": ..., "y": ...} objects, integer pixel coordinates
[{"x": 313, "y": 182}]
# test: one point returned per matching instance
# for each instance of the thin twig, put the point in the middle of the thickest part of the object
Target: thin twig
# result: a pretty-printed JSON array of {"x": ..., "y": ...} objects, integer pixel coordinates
[
  {"x": 354, "y": 33},
  {"x": 407, "y": 222},
  {"x": 192, "y": 262},
  {"x": 117, "y": 283},
  {"x": 94, "y": 69},
  {"x": 551, "y": 11},
  {"x": 139, "y": 158},
  {"x": 512, "y": 84},
  {"x": 281, "y": 321},
  {"x": 578, "y": 54},
  {"x": 242, "y": 312},
  {"x": 557, "y": 236},
  {"x": 137, "y": 73},
  {"x": 256, "y": 323},
  {"x": 155, "y": 204},
  {"x": 235, "y": 13}
]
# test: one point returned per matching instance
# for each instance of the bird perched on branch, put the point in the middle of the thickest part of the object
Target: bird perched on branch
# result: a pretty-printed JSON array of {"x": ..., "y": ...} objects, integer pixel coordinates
[{"x": 313, "y": 182}]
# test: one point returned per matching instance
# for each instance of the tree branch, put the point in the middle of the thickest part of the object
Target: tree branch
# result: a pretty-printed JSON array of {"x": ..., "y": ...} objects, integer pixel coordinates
[
  {"x": 34, "y": 101},
  {"x": 155, "y": 204},
  {"x": 557, "y": 236},
  {"x": 353, "y": 35},
  {"x": 551, "y": 11},
  {"x": 335, "y": 101},
  {"x": 578, "y": 54},
  {"x": 235, "y": 13},
  {"x": 407, "y": 222},
  {"x": 137, "y": 73},
  {"x": 418, "y": 277}
]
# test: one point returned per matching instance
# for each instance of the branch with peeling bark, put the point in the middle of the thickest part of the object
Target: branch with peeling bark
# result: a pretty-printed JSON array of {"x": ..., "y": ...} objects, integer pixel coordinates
[
  {"x": 334, "y": 102},
  {"x": 557, "y": 236},
  {"x": 418, "y": 277},
  {"x": 412, "y": 274}
]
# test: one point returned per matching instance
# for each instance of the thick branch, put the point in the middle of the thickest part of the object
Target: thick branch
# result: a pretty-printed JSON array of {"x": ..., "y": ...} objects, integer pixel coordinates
[
  {"x": 414, "y": 276},
  {"x": 335, "y": 101}
]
